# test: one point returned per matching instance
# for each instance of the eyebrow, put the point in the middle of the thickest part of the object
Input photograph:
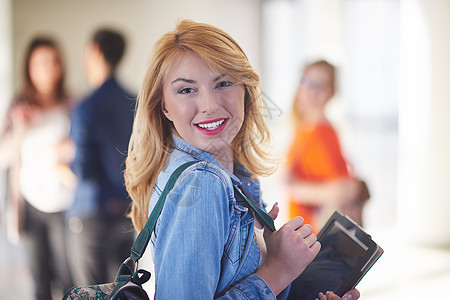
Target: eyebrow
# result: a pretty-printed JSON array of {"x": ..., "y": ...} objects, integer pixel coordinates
[
  {"x": 184, "y": 79},
  {"x": 193, "y": 81},
  {"x": 219, "y": 77}
]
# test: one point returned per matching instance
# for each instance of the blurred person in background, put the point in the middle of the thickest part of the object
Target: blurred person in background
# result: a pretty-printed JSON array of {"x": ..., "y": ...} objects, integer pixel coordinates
[
  {"x": 101, "y": 234},
  {"x": 32, "y": 148},
  {"x": 320, "y": 179}
]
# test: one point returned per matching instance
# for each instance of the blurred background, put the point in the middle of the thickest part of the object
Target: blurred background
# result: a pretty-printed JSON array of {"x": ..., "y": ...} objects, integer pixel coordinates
[{"x": 390, "y": 110}]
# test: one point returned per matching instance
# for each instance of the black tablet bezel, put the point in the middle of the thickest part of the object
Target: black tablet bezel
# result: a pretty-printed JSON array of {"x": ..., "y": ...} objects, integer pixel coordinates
[{"x": 354, "y": 231}]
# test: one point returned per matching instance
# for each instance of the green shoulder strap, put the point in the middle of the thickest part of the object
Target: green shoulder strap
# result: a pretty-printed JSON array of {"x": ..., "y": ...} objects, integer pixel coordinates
[
  {"x": 143, "y": 238},
  {"x": 262, "y": 215}
]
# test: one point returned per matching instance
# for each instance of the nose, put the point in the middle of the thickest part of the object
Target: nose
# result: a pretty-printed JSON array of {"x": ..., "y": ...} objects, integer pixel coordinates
[{"x": 208, "y": 102}]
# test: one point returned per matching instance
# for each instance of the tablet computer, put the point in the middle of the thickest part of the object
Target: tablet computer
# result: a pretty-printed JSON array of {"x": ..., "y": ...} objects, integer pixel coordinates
[{"x": 347, "y": 253}]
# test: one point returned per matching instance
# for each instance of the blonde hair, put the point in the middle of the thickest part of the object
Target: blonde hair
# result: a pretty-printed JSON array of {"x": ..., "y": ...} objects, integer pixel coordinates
[{"x": 151, "y": 140}]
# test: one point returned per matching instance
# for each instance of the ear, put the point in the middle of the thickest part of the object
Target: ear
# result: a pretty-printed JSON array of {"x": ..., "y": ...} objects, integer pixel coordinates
[{"x": 165, "y": 111}]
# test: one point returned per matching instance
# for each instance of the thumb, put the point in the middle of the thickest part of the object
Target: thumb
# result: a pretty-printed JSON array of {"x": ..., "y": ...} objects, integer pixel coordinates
[
  {"x": 273, "y": 213},
  {"x": 351, "y": 295}
]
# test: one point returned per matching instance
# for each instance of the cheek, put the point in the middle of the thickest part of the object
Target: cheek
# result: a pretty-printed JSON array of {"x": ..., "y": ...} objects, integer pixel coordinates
[
  {"x": 236, "y": 106},
  {"x": 57, "y": 72},
  {"x": 178, "y": 112},
  {"x": 322, "y": 98},
  {"x": 239, "y": 101},
  {"x": 39, "y": 76},
  {"x": 41, "y": 73},
  {"x": 309, "y": 97}
]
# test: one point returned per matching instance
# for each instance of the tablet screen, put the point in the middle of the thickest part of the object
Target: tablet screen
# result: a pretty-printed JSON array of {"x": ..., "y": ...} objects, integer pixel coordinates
[{"x": 340, "y": 255}]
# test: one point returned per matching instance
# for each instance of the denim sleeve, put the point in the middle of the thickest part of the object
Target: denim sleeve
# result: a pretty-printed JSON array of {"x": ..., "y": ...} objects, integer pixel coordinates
[
  {"x": 191, "y": 236},
  {"x": 253, "y": 287}
]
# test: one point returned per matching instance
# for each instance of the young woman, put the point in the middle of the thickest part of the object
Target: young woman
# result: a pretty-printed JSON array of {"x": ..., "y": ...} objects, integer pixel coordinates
[
  {"x": 37, "y": 127},
  {"x": 199, "y": 102},
  {"x": 319, "y": 176}
]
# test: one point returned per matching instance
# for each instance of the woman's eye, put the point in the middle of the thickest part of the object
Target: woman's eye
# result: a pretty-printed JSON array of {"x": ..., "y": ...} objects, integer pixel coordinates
[
  {"x": 224, "y": 84},
  {"x": 187, "y": 90}
]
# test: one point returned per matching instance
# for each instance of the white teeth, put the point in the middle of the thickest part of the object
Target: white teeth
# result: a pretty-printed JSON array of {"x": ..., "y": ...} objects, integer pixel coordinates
[{"x": 211, "y": 126}]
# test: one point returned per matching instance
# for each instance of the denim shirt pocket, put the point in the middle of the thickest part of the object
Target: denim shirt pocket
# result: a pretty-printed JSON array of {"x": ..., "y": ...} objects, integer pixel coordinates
[
  {"x": 235, "y": 243},
  {"x": 250, "y": 254},
  {"x": 239, "y": 236},
  {"x": 241, "y": 255}
]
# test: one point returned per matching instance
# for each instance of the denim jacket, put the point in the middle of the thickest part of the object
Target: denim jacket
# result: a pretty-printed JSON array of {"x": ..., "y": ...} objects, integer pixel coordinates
[{"x": 203, "y": 245}]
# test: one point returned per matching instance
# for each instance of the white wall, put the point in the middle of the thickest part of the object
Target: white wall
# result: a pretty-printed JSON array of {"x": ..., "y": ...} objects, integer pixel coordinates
[
  {"x": 5, "y": 79},
  {"x": 5, "y": 56},
  {"x": 424, "y": 161},
  {"x": 369, "y": 93}
]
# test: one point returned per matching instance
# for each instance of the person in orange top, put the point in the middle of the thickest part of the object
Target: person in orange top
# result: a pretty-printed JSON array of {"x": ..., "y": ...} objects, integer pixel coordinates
[{"x": 319, "y": 178}]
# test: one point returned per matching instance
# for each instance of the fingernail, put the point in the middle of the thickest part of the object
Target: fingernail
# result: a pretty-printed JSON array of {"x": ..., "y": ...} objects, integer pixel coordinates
[{"x": 347, "y": 297}]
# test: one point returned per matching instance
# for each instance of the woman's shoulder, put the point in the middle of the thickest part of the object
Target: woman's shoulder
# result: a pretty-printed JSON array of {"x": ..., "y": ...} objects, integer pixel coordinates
[
  {"x": 194, "y": 189},
  {"x": 202, "y": 173},
  {"x": 316, "y": 132},
  {"x": 325, "y": 125},
  {"x": 326, "y": 131},
  {"x": 204, "y": 176},
  {"x": 310, "y": 132}
]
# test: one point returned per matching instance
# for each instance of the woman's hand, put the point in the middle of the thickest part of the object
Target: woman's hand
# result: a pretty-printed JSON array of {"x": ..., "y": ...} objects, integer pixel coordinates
[
  {"x": 350, "y": 295},
  {"x": 289, "y": 251},
  {"x": 24, "y": 114}
]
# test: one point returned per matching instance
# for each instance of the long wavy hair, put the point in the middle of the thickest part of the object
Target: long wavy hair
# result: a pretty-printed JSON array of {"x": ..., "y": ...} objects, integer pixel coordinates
[{"x": 151, "y": 141}]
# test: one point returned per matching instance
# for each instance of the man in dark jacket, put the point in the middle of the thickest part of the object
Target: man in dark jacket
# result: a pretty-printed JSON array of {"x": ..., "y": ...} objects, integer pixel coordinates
[{"x": 101, "y": 235}]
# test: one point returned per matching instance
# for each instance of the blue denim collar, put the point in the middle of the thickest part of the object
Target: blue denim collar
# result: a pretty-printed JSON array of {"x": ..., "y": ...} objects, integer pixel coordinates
[{"x": 239, "y": 170}]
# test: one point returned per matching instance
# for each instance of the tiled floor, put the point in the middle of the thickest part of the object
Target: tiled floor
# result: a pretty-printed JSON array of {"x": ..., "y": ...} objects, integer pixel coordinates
[{"x": 403, "y": 272}]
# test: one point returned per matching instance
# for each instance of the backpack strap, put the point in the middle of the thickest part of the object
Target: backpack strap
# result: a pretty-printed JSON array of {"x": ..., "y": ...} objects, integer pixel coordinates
[
  {"x": 143, "y": 238},
  {"x": 260, "y": 214}
]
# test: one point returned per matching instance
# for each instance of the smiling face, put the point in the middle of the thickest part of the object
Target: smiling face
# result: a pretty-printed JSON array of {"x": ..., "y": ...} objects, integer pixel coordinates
[{"x": 205, "y": 106}]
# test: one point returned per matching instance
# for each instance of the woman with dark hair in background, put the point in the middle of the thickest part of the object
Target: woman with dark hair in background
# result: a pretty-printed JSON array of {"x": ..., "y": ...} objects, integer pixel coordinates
[{"x": 40, "y": 182}]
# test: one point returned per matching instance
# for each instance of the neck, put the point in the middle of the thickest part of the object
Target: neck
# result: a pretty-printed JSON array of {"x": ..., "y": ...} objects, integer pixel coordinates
[
  {"x": 314, "y": 116},
  {"x": 228, "y": 165},
  {"x": 100, "y": 77},
  {"x": 47, "y": 100},
  {"x": 225, "y": 158}
]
